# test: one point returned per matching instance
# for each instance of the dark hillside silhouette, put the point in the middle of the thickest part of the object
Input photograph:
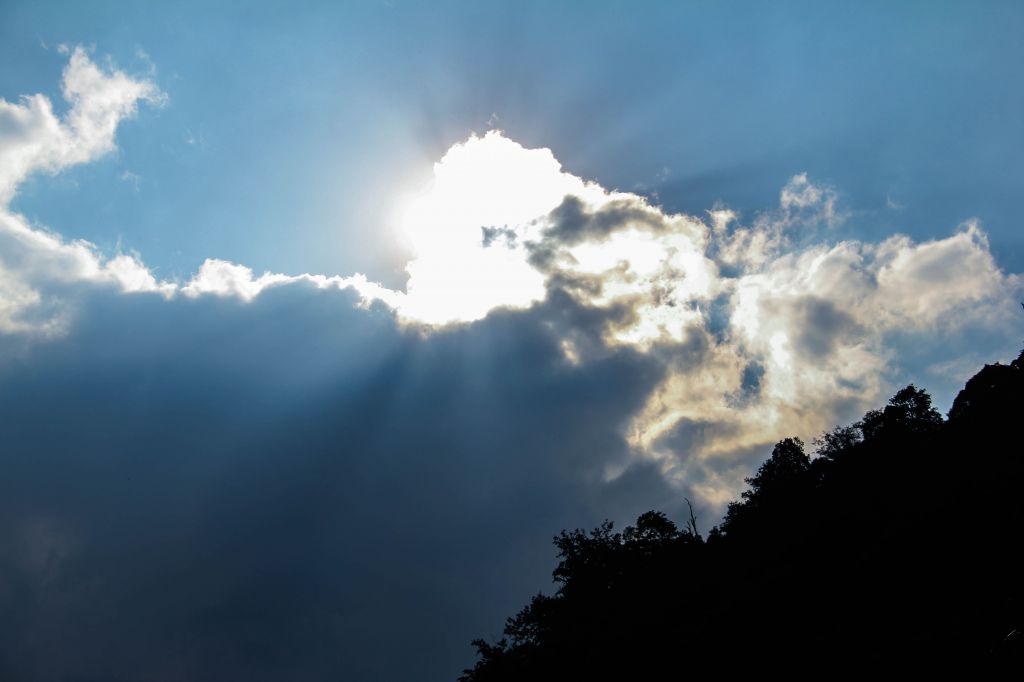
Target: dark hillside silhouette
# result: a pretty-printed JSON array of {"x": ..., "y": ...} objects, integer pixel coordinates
[{"x": 896, "y": 539}]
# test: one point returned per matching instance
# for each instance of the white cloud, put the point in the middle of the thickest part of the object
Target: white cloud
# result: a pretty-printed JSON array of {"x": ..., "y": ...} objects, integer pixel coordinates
[
  {"x": 33, "y": 138},
  {"x": 34, "y": 263},
  {"x": 800, "y": 193},
  {"x": 485, "y": 182},
  {"x": 825, "y": 327},
  {"x": 37, "y": 267},
  {"x": 222, "y": 278}
]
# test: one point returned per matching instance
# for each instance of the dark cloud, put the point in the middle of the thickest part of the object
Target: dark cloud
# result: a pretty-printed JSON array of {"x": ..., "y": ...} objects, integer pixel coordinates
[
  {"x": 821, "y": 326},
  {"x": 586, "y": 326},
  {"x": 690, "y": 354},
  {"x": 492, "y": 235},
  {"x": 688, "y": 435},
  {"x": 573, "y": 222},
  {"x": 295, "y": 488}
]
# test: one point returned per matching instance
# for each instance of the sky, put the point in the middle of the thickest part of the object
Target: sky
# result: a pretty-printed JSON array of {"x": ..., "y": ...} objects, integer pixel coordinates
[{"x": 319, "y": 320}]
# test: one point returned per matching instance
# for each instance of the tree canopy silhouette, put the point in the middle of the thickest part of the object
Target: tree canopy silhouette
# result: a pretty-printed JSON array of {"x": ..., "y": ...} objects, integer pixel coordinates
[{"x": 895, "y": 539}]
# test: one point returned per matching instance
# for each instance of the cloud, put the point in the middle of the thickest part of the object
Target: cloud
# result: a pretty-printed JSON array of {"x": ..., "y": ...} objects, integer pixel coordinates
[
  {"x": 767, "y": 329},
  {"x": 223, "y": 278},
  {"x": 273, "y": 476},
  {"x": 38, "y": 268},
  {"x": 33, "y": 138},
  {"x": 36, "y": 265},
  {"x": 801, "y": 194},
  {"x": 198, "y": 489},
  {"x": 484, "y": 183},
  {"x": 824, "y": 326},
  {"x": 38, "y": 271},
  {"x": 829, "y": 328},
  {"x": 764, "y": 330}
]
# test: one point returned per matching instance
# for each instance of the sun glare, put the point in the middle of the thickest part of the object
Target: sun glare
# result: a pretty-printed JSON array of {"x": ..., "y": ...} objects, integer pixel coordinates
[{"x": 485, "y": 185}]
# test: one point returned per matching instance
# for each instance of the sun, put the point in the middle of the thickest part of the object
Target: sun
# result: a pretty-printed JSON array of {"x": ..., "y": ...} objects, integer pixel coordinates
[{"x": 486, "y": 184}]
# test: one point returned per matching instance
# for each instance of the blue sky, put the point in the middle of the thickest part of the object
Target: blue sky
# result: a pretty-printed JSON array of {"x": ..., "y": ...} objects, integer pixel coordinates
[
  {"x": 309, "y": 118},
  {"x": 318, "y": 320}
]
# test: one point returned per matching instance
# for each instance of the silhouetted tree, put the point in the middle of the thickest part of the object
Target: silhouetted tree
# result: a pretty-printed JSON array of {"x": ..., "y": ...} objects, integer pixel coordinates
[
  {"x": 839, "y": 441},
  {"x": 898, "y": 541},
  {"x": 909, "y": 411},
  {"x": 776, "y": 490}
]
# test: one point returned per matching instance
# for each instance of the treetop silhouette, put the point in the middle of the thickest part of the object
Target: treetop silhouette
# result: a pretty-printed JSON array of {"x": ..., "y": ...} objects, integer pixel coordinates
[{"x": 896, "y": 539}]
